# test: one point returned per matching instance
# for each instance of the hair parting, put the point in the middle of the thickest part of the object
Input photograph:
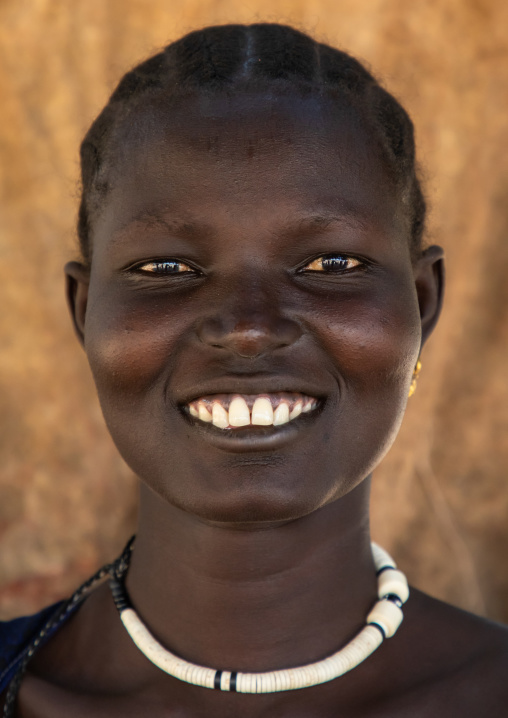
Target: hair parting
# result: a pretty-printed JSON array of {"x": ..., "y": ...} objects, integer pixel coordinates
[{"x": 256, "y": 57}]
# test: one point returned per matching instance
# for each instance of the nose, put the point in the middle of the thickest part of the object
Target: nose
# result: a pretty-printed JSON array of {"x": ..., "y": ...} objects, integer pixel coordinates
[{"x": 249, "y": 331}]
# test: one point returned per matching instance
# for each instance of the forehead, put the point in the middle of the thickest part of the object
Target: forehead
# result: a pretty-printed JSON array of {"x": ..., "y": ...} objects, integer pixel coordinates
[{"x": 239, "y": 156}]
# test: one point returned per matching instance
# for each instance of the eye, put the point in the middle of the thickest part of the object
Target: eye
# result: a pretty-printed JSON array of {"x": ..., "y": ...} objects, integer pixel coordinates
[
  {"x": 164, "y": 267},
  {"x": 332, "y": 263}
]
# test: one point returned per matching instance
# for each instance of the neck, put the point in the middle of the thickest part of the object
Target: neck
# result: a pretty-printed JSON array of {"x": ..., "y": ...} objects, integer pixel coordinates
[{"x": 253, "y": 599}]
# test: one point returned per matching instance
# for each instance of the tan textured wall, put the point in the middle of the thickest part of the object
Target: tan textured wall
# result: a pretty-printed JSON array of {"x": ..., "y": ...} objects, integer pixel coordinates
[{"x": 67, "y": 502}]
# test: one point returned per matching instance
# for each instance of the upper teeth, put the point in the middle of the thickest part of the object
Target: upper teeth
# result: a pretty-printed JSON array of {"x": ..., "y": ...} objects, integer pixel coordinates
[{"x": 230, "y": 411}]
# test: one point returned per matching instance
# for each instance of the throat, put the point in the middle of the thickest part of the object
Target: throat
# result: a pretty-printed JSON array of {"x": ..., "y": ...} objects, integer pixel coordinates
[{"x": 253, "y": 600}]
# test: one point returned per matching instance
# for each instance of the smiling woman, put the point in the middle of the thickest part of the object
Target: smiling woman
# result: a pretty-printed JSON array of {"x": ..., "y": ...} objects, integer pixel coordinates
[{"x": 253, "y": 297}]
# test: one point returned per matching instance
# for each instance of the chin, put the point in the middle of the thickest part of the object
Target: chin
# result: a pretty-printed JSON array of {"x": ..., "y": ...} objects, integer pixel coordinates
[
  {"x": 246, "y": 506},
  {"x": 251, "y": 503}
]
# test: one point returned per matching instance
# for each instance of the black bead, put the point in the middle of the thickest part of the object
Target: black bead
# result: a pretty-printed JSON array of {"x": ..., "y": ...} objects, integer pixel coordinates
[
  {"x": 232, "y": 682},
  {"x": 379, "y": 628},
  {"x": 216, "y": 680},
  {"x": 120, "y": 596},
  {"x": 394, "y": 599}
]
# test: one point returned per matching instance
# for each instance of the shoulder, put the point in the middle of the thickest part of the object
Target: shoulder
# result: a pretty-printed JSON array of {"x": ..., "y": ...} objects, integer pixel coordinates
[
  {"x": 462, "y": 658},
  {"x": 471, "y": 635},
  {"x": 15, "y": 636}
]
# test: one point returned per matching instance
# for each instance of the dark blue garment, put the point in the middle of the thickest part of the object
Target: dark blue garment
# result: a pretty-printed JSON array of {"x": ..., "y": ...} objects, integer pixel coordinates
[{"x": 16, "y": 636}]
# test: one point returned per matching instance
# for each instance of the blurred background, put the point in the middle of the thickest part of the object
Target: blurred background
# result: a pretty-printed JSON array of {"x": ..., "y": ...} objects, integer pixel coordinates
[{"x": 440, "y": 503}]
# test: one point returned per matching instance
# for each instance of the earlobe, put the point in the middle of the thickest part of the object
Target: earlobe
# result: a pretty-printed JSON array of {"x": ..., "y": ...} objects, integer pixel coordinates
[
  {"x": 76, "y": 289},
  {"x": 430, "y": 280}
]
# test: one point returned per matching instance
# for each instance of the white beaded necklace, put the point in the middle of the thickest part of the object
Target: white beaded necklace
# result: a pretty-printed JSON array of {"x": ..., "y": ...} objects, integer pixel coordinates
[{"x": 382, "y": 622}]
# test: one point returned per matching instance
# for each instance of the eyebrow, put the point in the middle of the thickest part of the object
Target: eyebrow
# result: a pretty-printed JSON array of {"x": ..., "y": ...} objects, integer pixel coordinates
[
  {"x": 325, "y": 219},
  {"x": 151, "y": 220},
  {"x": 311, "y": 222},
  {"x": 319, "y": 221}
]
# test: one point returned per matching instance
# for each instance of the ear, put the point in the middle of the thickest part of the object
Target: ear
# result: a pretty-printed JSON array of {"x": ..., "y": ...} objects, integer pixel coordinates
[
  {"x": 77, "y": 278},
  {"x": 429, "y": 274}
]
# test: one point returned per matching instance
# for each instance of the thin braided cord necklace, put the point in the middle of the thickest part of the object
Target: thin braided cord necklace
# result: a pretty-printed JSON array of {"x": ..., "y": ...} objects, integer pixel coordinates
[
  {"x": 382, "y": 622},
  {"x": 117, "y": 568}
]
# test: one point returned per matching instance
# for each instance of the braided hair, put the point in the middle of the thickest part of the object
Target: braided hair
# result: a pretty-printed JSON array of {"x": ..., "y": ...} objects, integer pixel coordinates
[{"x": 229, "y": 58}]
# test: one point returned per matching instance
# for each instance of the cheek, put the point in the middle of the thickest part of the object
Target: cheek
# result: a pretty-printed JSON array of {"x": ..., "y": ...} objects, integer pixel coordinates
[
  {"x": 375, "y": 340},
  {"x": 374, "y": 343},
  {"x": 129, "y": 343}
]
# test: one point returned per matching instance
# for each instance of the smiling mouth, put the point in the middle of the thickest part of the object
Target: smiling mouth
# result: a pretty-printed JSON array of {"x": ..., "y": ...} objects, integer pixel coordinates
[{"x": 235, "y": 411}]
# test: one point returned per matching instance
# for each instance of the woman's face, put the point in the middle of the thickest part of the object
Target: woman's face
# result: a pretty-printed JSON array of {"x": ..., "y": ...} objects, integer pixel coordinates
[{"x": 208, "y": 282}]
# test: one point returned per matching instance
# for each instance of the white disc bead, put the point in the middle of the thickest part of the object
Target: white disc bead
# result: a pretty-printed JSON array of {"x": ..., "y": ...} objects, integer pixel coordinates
[
  {"x": 382, "y": 558},
  {"x": 388, "y": 615},
  {"x": 392, "y": 582},
  {"x": 224, "y": 680}
]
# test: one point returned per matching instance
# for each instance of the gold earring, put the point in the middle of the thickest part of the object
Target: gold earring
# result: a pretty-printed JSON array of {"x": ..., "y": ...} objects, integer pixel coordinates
[{"x": 416, "y": 374}]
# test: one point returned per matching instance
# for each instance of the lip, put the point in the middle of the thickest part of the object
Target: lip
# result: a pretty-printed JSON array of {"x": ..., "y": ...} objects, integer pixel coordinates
[
  {"x": 254, "y": 438},
  {"x": 255, "y": 385}
]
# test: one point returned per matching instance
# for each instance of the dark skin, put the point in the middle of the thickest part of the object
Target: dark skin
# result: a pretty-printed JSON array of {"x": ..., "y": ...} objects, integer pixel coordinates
[{"x": 253, "y": 548}]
